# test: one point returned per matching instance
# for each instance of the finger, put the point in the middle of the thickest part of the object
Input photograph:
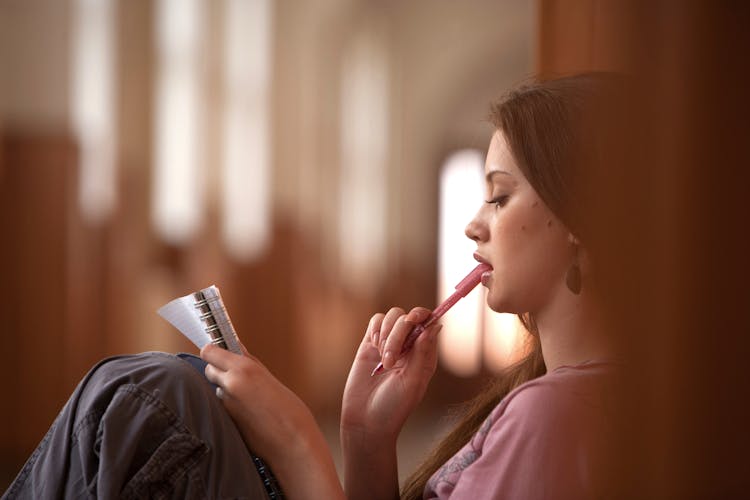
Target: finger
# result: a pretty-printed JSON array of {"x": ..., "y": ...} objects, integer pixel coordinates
[
  {"x": 214, "y": 375},
  {"x": 373, "y": 328},
  {"x": 387, "y": 325},
  {"x": 418, "y": 314},
  {"x": 395, "y": 341},
  {"x": 368, "y": 350},
  {"x": 220, "y": 379},
  {"x": 221, "y": 358},
  {"x": 424, "y": 357}
]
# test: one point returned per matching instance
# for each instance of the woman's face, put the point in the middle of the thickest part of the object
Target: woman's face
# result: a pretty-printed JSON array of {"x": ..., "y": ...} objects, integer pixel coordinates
[{"x": 527, "y": 246}]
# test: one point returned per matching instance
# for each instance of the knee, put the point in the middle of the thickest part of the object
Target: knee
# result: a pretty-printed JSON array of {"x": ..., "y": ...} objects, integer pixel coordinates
[{"x": 154, "y": 372}]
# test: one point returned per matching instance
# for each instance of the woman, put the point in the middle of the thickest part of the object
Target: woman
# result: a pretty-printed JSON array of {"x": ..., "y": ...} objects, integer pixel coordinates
[{"x": 541, "y": 431}]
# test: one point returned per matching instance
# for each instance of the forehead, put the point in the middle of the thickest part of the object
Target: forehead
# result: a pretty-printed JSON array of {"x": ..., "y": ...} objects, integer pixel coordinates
[{"x": 499, "y": 156}]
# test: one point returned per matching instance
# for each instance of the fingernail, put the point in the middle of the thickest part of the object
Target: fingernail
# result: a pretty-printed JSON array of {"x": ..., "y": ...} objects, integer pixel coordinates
[
  {"x": 375, "y": 337},
  {"x": 387, "y": 359}
]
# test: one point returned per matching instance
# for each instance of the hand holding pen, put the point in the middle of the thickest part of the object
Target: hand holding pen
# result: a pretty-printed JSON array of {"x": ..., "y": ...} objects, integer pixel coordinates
[{"x": 462, "y": 289}]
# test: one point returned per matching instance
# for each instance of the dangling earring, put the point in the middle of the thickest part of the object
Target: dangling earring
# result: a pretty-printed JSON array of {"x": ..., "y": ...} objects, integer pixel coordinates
[{"x": 573, "y": 276}]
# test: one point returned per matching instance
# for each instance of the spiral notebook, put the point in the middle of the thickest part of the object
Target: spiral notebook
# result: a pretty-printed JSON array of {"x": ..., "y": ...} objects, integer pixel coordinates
[{"x": 202, "y": 317}]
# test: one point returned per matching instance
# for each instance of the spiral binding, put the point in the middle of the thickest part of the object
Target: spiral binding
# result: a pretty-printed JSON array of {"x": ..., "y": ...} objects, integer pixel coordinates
[
  {"x": 219, "y": 328},
  {"x": 269, "y": 480},
  {"x": 214, "y": 315}
]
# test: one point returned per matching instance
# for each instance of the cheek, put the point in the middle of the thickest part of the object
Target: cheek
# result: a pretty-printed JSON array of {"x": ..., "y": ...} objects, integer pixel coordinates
[
  {"x": 521, "y": 225},
  {"x": 529, "y": 255}
]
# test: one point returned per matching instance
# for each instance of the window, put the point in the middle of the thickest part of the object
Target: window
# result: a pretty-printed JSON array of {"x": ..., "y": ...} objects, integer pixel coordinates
[
  {"x": 473, "y": 335},
  {"x": 93, "y": 105}
]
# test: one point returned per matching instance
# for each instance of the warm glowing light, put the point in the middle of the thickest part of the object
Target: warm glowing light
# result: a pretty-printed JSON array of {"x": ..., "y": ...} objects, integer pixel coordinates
[
  {"x": 460, "y": 341},
  {"x": 504, "y": 336},
  {"x": 364, "y": 153},
  {"x": 179, "y": 166},
  {"x": 93, "y": 105},
  {"x": 246, "y": 143},
  {"x": 472, "y": 334}
]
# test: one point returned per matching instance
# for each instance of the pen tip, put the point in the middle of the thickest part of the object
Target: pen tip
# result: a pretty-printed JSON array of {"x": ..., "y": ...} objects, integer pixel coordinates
[{"x": 377, "y": 369}]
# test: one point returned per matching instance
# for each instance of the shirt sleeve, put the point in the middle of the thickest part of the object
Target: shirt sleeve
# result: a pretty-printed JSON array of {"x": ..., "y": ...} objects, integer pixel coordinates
[{"x": 539, "y": 447}]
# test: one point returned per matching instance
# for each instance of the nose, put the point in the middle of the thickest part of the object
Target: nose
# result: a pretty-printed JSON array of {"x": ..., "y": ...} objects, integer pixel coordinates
[{"x": 476, "y": 230}]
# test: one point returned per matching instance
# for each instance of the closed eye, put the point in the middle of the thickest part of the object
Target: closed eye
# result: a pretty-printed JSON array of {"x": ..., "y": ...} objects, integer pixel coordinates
[{"x": 498, "y": 201}]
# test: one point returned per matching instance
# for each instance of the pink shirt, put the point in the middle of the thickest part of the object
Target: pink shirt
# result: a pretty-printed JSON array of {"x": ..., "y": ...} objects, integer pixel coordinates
[{"x": 545, "y": 439}]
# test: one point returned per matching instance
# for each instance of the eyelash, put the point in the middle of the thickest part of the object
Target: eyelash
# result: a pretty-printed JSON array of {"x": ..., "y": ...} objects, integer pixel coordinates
[{"x": 499, "y": 201}]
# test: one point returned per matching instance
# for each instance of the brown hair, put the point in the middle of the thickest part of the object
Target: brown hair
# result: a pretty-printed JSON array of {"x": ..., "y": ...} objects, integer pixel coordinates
[{"x": 543, "y": 123}]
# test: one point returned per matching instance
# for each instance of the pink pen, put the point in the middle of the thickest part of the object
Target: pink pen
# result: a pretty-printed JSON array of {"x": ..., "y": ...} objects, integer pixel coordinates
[{"x": 462, "y": 289}]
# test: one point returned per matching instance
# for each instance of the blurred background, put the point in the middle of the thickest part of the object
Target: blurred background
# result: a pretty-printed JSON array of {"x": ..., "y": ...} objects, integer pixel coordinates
[{"x": 317, "y": 161}]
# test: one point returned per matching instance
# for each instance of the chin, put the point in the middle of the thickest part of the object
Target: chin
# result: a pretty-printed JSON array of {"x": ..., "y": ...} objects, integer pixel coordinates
[
  {"x": 501, "y": 303},
  {"x": 496, "y": 303}
]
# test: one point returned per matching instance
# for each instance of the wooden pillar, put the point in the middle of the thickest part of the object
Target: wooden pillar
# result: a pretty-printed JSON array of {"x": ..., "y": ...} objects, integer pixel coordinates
[
  {"x": 34, "y": 201},
  {"x": 674, "y": 199},
  {"x": 582, "y": 35}
]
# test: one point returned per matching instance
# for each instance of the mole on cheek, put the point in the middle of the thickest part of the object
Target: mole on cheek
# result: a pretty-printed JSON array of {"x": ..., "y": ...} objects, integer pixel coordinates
[
  {"x": 549, "y": 223},
  {"x": 535, "y": 204},
  {"x": 523, "y": 228}
]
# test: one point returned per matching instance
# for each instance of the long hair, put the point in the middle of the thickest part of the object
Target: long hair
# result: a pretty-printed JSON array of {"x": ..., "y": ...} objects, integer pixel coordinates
[
  {"x": 543, "y": 124},
  {"x": 475, "y": 412}
]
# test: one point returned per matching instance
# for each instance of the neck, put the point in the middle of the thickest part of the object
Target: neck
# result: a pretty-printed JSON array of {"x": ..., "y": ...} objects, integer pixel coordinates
[{"x": 571, "y": 330}]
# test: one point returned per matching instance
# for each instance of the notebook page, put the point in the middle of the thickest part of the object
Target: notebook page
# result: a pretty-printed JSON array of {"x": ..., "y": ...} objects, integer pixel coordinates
[{"x": 184, "y": 316}]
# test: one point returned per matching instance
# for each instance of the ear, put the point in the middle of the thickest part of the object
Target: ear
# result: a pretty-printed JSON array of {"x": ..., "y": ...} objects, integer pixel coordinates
[{"x": 582, "y": 255}]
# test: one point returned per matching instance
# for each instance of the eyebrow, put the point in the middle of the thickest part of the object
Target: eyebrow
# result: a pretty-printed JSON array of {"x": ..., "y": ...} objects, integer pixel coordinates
[{"x": 490, "y": 175}]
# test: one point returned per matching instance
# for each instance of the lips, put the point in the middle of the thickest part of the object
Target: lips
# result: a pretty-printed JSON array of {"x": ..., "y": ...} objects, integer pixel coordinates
[
  {"x": 487, "y": 275},
  {"x": 478, "y": 257}
]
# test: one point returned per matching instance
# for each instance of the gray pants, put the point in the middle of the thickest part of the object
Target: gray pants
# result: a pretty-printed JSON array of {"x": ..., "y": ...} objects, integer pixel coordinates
[{"x": 141, "y": 426}]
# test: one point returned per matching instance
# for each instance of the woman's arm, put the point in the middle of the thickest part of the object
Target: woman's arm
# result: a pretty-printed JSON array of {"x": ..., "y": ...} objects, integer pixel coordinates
[
  {"x": 370, "y": 467},
  {"x": 375, "y": 408},
  {"x": 275, "y": 424},
  {"x": 279, "y": 427}
]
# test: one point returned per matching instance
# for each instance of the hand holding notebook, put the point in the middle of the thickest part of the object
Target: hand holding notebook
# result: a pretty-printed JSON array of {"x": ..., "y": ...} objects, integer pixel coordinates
[{"x": 202, "y": 318}]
